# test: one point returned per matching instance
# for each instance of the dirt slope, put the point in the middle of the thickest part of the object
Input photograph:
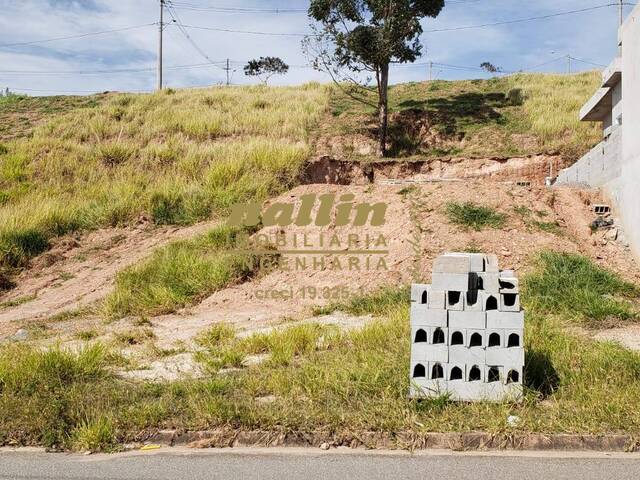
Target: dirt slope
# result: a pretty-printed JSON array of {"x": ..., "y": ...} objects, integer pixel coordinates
[{"x": 81, "y": 272}]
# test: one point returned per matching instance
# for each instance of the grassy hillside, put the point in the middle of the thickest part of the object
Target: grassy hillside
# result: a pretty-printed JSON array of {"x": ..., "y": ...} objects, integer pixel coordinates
[
  {"x": 506, "y": 116},
  {"x": 180, "y": 157},
  {"x": 176, "y": 157},
  {"x": 20, "y": 114}
]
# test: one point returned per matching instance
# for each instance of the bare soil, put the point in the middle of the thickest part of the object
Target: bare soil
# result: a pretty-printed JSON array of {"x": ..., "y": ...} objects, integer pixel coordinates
[
  {"x": 532, "y": 168},
  {"x": 80, "y": 271}
]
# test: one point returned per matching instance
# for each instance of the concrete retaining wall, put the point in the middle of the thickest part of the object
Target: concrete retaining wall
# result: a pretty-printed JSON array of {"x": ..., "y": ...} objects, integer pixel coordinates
[{"x": 597, "y": 168}]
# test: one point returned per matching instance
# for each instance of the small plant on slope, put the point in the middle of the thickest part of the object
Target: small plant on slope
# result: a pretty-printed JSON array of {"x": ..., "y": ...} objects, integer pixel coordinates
[{"x": 477, "y": 217}]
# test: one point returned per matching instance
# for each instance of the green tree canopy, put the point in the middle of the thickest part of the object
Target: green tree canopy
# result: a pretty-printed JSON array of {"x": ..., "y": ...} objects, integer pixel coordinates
[
  {"x": 265, "y": 68},
  {"x": 367, "y": 36}
]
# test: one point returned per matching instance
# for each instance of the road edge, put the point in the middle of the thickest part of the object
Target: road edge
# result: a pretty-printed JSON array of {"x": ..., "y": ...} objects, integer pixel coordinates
[{"x": 467, "y": 441}]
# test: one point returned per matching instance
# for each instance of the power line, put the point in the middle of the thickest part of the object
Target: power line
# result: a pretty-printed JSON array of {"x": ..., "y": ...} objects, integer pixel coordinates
[
  {"x": 103, "y": 72},
  {"x": 249, "y": 32},
  {"x": 588, "y": 62},
  {"x": 438, "y": 30},
  {"x": 81, "y": 35},
  {"x": 484, "y": 25},
  {"x": 182, "y": 29},
  {"x": 200, "y": 8},
  {"x": 521, "y": 20}
]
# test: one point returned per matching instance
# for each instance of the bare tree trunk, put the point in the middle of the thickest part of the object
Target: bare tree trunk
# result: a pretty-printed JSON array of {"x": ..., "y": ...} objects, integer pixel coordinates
[{"x": 383, "y": 109}]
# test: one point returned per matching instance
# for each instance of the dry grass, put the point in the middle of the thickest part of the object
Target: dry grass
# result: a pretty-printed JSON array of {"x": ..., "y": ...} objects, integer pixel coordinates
[
  {"x": 507, "y": 116},
  {"x": 178, "y": 157}
]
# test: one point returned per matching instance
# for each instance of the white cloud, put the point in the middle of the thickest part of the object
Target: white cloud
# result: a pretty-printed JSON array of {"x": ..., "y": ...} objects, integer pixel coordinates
[{"x": 589, "y": 35}]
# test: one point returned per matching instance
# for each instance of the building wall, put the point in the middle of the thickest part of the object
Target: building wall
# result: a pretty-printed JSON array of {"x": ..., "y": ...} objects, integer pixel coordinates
[
  {"x": 614, "y": 164},
  {"x": 629, "y": 205},
  {"x": 616, "y": 113}
]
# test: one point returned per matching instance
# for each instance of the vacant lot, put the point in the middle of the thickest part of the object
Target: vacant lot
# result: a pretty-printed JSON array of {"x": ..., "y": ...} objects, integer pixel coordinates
[{"x": 111, "y": 306}]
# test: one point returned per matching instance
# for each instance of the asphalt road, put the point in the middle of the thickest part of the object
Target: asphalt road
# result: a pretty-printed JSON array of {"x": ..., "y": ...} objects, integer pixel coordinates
[{"x": 310, "y": 464}]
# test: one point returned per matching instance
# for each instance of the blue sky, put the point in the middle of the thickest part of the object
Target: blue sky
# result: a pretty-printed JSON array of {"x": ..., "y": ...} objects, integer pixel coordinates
[{"x": 589, "y": 36}]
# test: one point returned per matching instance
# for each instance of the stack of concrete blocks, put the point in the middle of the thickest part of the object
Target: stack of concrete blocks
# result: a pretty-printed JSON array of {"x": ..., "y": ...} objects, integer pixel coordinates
[{"x": 467, "y": 331}]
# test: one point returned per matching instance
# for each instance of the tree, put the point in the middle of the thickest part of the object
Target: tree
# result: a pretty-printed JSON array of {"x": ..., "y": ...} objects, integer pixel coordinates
[
  {"x": 265, "y": 68},
  {"x": 367, "y": 36},
  {"x": 490, "y": 67}
]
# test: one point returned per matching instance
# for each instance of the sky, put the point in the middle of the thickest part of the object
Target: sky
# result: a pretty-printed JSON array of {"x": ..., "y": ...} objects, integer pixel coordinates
[{"x": 126, "y": 60}]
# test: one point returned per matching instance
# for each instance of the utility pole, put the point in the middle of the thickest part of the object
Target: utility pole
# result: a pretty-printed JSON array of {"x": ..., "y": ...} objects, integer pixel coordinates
[
  {"x": 228, "y": 69},
  {"x": 160, "y": 45},
  {"x": 621, "y": 11},
  {"x": 430, "y": 71},
  {"x": 569, "y": 63}
]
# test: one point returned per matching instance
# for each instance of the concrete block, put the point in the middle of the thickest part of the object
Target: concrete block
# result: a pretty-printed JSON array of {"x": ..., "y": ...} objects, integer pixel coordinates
[
  {"x": 429, "y": 335},
  {"x": 453, "y": 263},
  {"x": 462, "y": 355},
  {"x": 488, "y": 392},
  {"x": 514, "y": 338},
  {"x": 437, "y": 300},
  {"x": 457, "y": 337},
  {"x": 495, "y": 338},
  {"x": 426, "y": 317},
  {"x": 420, "y": 292},
  {"x": 439, "y": 336},
  {"x": 477, "y": 260},
  {"x": 476, "y": 373},
  {"x": 456, "y": 373},
  {"x": 420, "y": 334},
  {"x": 418, "y": 370},
  {"x": 437, "y": 371},
  {"x": 494, "y": 373},
  {"x": 497, "y": 320},
  {"x": 489, "y": 282},
  {"x": 473, "y": 301},
  {"x": 424, "y": 294},
  {"x": 509, "y": 285},
  {"x": 425, "y": 353},
  {"x": 490, "y": 301},
  {"x": 467, "y": 320},
  {"x": 491, "y": 263},
  {"x": 507, "y": 274},
  {"x": 426, "y": 388},
  {"x": 418, "y": 313},
  {"x": 509, "y": 302},
  {"x": 513, "y": 374},
  {"x": 454, "y": 282},
  {"x": 505, "y": 356},
  {"x": 455, "y": 301},
  {"x": 476, "y": 338}
]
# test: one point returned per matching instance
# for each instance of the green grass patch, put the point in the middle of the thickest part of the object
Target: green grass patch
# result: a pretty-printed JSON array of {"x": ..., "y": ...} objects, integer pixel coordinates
[
  {"x": 375, "y": 303},
  {"x": 321, "y": 379},
  {"x": 528, "y": 218},
  {"x": 474, "y": 216},
  {"x": 575, "y": 288},
  {"x": 181, "y": 273}
]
